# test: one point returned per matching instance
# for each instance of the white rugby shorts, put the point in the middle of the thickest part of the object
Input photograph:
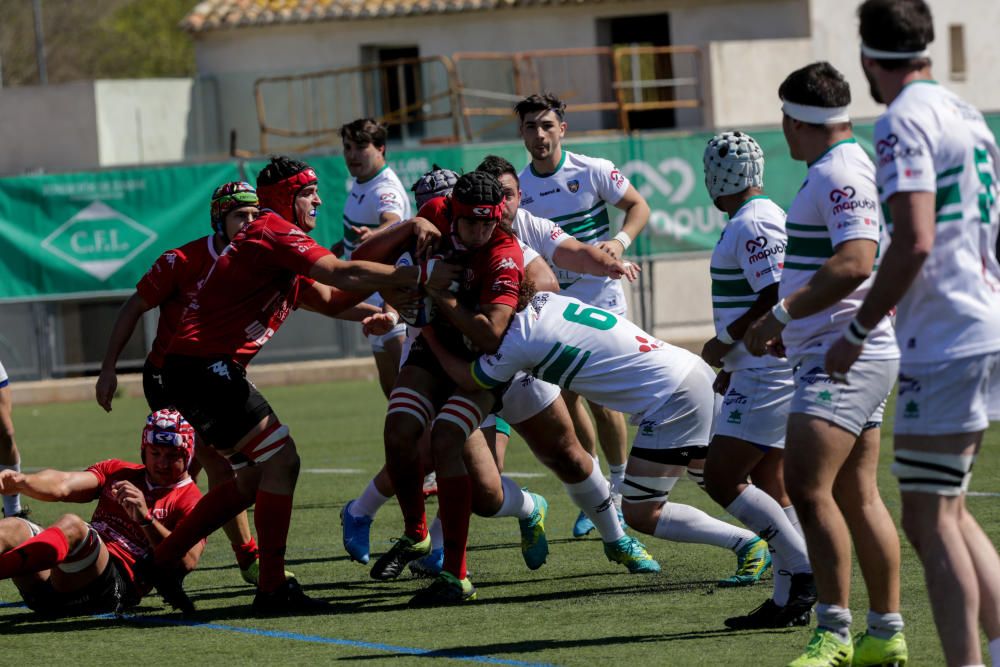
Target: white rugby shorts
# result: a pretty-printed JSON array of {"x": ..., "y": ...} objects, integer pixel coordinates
[
  {"x": 855, "y": 406},
  {"x": 755, "y": 407},
  {"x": 955, "y": 396}
]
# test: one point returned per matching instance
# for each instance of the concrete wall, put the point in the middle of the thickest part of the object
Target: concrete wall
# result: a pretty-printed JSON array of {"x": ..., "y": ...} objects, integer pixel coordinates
[
  {"x": 47, "y": 127},
  {"x": 745, "y": 75}
]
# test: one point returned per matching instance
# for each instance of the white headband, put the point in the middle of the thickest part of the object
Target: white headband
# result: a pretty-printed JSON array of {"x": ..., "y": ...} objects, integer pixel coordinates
[
  {"x": 815, "y": 115},
  {"x": 879, "y": 54}
]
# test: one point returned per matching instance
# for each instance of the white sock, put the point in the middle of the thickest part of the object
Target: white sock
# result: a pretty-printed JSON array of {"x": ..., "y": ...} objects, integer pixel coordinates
[
  {"x": 763, "y": 515},
  {"x": 437, "y": 534},
  {"x": 835, "y": 619},
  {"x": 12, "y": 503},
  {"x": 793, "y": 518},
  {"x": 885, "y": 625},
  {"x": 516, "y": 501},
  {"x": 782, "y": 578},
  {"x": 592, "y": 496},
  {"x": 995, "y": 651},
  {"x": 617, "y": 475},
  {"x": 369, "y": 502},
  {"x": 683, "y": 523}
]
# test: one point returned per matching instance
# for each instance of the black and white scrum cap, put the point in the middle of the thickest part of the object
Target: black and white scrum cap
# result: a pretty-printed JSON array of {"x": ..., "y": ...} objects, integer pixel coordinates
[{"x": 734, "y": 162}]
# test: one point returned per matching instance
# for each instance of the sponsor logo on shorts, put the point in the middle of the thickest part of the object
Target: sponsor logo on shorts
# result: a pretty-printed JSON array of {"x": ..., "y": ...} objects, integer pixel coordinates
[
  {"x": 573, "y": 186},
  {"x": 735, "y": 398},
  {"x": 814, "y": 375},
  {"x": 735, "y": 417},
  {"x": 825, "y": 397},
  {"x": 647, "y": 427},
  {"x": 908, "y": 385},
  {"x": 911, "y": 410},
  {"x": 220, "y": 369}
]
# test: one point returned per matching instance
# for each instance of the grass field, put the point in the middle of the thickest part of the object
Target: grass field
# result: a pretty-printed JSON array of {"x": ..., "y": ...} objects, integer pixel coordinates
[{"x": 578, "y": 609}]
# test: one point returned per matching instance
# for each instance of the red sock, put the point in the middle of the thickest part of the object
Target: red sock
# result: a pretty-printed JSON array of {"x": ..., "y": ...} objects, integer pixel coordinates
[
  {"x": 272, "y": 516},
  {"x": 455, "y": 510},
  {"x": 41, "y": 552},
  {"x": 246, "y": 554},
  {"x": 409, "y": 486},
  {"x": 213, "y": 510}
]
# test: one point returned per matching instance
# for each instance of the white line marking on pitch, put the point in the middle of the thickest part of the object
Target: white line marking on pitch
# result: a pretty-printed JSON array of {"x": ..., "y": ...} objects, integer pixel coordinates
[
  {"x": 335, "y": 471},
  {"x": 524, "y": 474},
  {"x": 988, "y": 494}
]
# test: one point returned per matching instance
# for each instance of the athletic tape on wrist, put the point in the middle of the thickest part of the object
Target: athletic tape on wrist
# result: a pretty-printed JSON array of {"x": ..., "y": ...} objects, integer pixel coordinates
[
  {"x": 624, "y": 239},
  {"x": 780, "y": 312},
  {"x": 855, "y": 334}
]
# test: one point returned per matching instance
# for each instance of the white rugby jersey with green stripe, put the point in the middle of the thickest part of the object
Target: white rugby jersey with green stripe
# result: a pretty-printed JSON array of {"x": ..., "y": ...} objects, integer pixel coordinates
[
  {"x": 599, "y": 355},
  {"x": 748, "y": 257},
  {"x": 576, "y": 197},
  {"x": 838, "y": 202},
  {"x": 929, "y": 140},
  {"x": 367, "y": 201}
]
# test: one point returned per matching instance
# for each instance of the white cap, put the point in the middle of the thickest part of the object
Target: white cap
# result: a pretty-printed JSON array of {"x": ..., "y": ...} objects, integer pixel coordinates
[{"x": 734, "y": 162}]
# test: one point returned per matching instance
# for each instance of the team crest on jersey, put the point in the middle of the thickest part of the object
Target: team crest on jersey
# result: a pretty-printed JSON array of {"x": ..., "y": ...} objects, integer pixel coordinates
[{"x": 573, "y": 186}]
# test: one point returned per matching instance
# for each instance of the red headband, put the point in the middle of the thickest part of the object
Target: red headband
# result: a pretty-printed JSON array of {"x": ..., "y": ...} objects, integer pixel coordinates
[
  {"x": 476, "y": 211},
  {"x": 280, "y": 196}
]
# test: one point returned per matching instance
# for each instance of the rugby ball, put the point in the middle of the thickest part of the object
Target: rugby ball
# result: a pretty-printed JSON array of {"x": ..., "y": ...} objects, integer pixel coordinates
[{"x": 423, "y": 310}]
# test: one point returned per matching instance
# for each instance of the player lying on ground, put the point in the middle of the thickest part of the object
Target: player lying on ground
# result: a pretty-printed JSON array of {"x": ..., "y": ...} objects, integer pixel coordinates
[
  {"x": 74, "y": 567},
  {"x": 609, "y": 360}
]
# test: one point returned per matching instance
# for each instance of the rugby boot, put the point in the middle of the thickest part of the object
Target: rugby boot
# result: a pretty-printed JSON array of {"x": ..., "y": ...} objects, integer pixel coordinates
[
  {"x": 251, "y": 573},
  {"x": 768, "y": 615},
  {"x": 631, "y": 553},
  {"x": 871, "y": 651},
  {"x": 445, "y": 590},
  {"x": 752, "y": 561},
  {"x": 583, "y": 525},
  {"x": 391, "y": 563},
  {"x": 24, "y": 513},
  {"x": 356, "y": 532},
  {"x": 534, "y": 545},
  {"x": 801, "y": 595},
  {"x": 168, "y": 583},
  {"x": 288, "y": 600},
  {"x": 430, "y": 565},
  {"x": 825, "y": 650}
]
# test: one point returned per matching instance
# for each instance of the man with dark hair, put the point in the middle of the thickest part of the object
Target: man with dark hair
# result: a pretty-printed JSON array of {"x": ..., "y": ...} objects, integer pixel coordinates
[
  {"x": 938, "y": 169},
  {"x": 574, "y": 190},
  {"x": 474, "y": 236},
  {"x": 832, "y": 443},
  {"x": 10, "y": 458},
  {"x": 271, "y": 265},
  {"x": 377, "y": 198}
]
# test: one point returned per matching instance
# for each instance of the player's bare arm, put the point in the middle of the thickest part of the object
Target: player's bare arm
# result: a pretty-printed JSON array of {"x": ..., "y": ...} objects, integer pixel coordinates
[
  {"x": 578, "y": 257},
  {"x": 459, "y": 370},
  {"x": 128, "y": 317},
  {"x": 714, "y": 349},
  {"x": 539, "y": 273},
  {"x": 485, "y": 329},
  {"x": 850, "y": 265},
  {"x": 396, "y": 235},
  {"x": 332, "y": 302},
  {"x": 636, "y": 216},
  {"x": 51, "y": 485}
]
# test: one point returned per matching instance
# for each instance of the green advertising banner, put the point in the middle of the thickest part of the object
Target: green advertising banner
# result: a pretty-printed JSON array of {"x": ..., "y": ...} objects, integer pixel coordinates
[{"x": 95, "y": 233}]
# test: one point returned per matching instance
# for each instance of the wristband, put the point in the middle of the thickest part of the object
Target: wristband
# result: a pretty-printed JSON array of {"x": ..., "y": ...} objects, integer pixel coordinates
[
  {"x": 781, "y": 313},
  {"x": 855, "y": 334},
  {"x": 148, "y": 521},
  {"x": 724, "y": 337},
  {"x": 394, "y": 316},
  {"x": 624, "y": 239}
]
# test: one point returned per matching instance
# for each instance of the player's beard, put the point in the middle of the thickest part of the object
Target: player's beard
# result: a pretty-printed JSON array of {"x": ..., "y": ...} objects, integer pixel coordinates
[{"x": 872, "y": 88}]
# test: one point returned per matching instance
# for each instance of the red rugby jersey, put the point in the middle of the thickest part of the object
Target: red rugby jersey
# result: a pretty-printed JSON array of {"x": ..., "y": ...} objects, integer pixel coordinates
[
  {"x": 248, "y": 292},
  {"x": 170, "y": 283},
  {"x": 123, "y": 537}
]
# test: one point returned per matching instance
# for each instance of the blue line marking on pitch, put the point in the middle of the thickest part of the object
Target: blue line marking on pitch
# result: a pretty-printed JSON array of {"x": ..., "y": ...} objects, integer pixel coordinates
[{"x": 317, "y": 639}]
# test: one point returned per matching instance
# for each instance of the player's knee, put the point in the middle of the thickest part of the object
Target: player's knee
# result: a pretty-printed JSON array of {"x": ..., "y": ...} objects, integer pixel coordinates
[
  {"x": 407, "y": 416},
  {"x": 447, "y": 439},
  {"x": 934, "y": 473},
  {"x": 641, "y": 499},
  {"x": 640, "y": 516},
  {"x": 73, "y": 527}
]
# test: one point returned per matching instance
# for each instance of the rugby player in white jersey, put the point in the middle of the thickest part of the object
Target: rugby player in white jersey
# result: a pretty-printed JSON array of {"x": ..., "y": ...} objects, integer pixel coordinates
[
  {"x": 748, "y": 438},
  {"x": 574, "y": 191},
  {"x": 937, "y": 176},
  {"x": 609, "y": 360},
  {"x": 832, "y": 443},
  {"x": 10, "y": 458},
  {"x": 377, "y": 198}
]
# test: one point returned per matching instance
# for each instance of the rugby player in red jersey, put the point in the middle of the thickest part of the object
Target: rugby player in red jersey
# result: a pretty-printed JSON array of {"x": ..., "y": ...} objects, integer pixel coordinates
[
  {"x": 472, "y": 319},
  {"x": 271, "y": 265},
  {"x": 74, "y": 567}
]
